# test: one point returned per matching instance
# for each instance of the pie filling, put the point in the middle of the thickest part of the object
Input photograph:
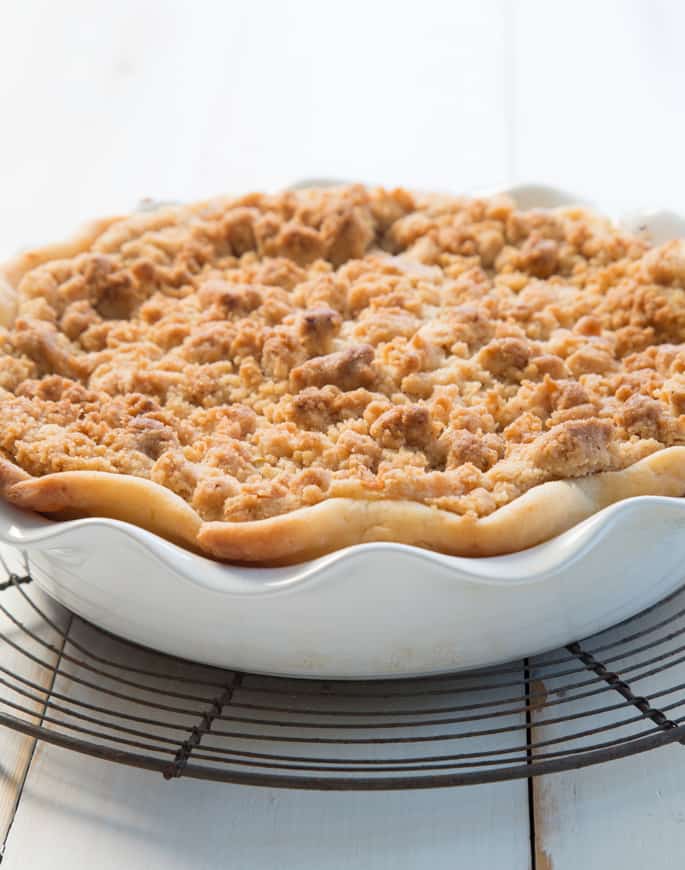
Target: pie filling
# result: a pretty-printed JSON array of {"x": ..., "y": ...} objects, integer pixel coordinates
[{"x": 260, "y": 355}]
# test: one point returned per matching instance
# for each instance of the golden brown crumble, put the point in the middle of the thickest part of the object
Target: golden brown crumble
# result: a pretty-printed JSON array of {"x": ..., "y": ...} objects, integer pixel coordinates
[{"x": 262, "y": 354}]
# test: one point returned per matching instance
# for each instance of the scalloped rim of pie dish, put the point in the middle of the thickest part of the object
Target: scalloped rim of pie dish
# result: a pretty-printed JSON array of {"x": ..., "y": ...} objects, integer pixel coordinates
[{"x": 541, "y": 513}]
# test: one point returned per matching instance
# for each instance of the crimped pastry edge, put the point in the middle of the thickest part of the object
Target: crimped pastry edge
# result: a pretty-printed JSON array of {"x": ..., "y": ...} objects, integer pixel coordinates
[{"x": 536, "y": 516}]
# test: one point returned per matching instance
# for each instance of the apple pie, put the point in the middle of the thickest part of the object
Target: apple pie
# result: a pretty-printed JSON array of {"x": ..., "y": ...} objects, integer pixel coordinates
[{"x": 269, "y": 378}]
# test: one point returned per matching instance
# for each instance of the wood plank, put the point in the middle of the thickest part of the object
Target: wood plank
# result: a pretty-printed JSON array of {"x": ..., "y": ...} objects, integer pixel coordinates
[
  {"x": 608, "y": 126},
  {"x": 625, "y": 812},
  {"x": 17, "y": 669},
  {"x": 181, "y": 105},
  {"x": 117, "y": 815}
]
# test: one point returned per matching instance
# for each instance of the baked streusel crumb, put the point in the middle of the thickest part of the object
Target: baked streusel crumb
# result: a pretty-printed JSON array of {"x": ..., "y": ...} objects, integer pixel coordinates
[{"x": 263, "y": 354}]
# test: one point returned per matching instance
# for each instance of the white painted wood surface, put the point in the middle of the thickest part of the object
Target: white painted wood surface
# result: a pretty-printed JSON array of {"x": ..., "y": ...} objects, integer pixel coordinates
[
  {"x": 634, "y": 807},
  {"x": 75, "y": 813},
  {"x": 104, "y": 104},
  {"x": 24, "y": 681},
  {"x": 134, "y": 818}
]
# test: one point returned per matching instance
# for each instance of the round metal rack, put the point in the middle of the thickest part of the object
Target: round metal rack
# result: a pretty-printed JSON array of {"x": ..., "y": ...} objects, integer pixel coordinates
[{"x": 68, "y": 683}]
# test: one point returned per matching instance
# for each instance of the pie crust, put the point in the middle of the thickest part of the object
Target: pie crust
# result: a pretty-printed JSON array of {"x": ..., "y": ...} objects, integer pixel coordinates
[{"x": 270, "y": 378}]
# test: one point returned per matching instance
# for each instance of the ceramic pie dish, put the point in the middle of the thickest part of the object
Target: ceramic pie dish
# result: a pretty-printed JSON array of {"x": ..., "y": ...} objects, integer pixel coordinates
[{"x": 372, "y": 609}]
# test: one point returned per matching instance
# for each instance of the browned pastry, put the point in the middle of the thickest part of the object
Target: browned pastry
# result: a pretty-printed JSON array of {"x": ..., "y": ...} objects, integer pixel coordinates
[{"x": 273, "y": 377}]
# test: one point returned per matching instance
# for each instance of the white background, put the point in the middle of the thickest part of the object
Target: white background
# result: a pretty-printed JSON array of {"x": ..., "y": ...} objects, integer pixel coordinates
[{"x": 103, "y": 104}]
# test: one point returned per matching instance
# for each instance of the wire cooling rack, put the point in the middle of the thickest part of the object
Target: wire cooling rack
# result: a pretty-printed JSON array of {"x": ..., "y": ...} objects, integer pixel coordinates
[{"x": 68, "y": 683}]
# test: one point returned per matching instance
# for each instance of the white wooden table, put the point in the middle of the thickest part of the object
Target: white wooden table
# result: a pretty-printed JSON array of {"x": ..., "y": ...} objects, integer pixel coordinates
[{"x": 103, "y": 105}]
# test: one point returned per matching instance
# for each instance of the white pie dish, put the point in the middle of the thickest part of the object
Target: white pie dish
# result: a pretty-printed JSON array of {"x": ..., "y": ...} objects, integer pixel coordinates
[{"x": 371, "y": 610}]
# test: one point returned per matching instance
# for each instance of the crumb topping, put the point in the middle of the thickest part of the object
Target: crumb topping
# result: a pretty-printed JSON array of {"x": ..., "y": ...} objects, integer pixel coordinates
[{"x": 263, "y": 354}]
